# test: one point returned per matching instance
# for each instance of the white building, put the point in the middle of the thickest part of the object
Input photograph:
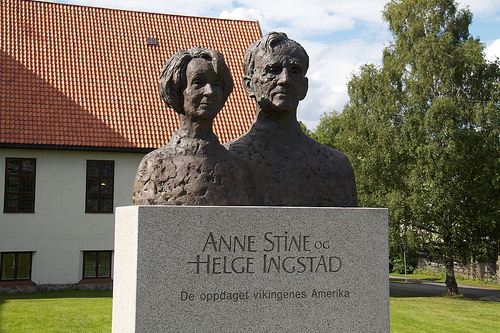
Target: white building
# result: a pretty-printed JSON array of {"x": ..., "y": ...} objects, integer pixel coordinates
[
  {"x": 63, "y": 225},
  {"x": 79, "y": 109}
]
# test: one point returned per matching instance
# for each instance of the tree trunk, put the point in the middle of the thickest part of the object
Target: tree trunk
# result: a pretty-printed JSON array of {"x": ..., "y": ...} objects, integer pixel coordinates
[
  {"x": 472, "y": 270},
  {"x": 498, "y": 267},
  {"x": 480, "y": 270},
  {"x": 451, "y": 283}
]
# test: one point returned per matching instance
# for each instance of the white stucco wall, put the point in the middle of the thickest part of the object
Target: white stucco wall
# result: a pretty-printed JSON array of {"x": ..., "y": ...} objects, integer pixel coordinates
[{"x": 60, "y": 230}]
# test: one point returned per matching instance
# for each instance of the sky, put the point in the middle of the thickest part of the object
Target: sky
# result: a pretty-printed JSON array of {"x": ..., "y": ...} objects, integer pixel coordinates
[{"x": 339, "y": 36}]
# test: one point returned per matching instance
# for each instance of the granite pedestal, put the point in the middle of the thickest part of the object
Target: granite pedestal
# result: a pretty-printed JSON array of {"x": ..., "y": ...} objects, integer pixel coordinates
[{"x": 250, "y": 269}]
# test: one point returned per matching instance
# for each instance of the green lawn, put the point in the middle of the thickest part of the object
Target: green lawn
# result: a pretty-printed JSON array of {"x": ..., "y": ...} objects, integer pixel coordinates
[
  {"x": 79, "y": 311},
  {"x": 440, "y": 314},
  {"x": 72, "y": 311}
]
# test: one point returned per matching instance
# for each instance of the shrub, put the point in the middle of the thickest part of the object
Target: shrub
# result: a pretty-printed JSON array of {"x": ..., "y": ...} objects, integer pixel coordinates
[{"x": 399, "y": 267}]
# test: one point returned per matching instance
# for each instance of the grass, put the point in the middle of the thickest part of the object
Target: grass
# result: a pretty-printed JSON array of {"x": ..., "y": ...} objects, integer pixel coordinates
[
  {"x": 441, "y": 314},
  {"x": 71, "y": 311},
  {"x": 436, "y": 277},
  {"x": 84, "y": 311}
]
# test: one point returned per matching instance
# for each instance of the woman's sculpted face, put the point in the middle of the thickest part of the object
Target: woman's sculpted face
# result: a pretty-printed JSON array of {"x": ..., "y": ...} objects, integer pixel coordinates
[{"x": 204, "y": 94}]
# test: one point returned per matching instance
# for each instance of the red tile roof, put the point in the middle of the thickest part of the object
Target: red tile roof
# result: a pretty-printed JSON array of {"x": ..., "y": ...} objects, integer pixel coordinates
[{"x": 86, "y": 77}]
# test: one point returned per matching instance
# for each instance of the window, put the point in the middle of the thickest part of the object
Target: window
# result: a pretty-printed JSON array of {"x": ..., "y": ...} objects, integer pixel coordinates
[
  {"x": 16, "y": 266},
  {"x": 19, "y": 185},
  {"x": 100, "y": 186},
  {"x": 96, "y": 264}
]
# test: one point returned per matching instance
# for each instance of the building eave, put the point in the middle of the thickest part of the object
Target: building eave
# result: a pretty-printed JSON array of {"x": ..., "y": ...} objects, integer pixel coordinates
[{"x": 76, "y": 148}]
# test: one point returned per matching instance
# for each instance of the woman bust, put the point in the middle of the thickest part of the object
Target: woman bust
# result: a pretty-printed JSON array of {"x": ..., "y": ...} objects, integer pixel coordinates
[{"x": 194, "y": 168}]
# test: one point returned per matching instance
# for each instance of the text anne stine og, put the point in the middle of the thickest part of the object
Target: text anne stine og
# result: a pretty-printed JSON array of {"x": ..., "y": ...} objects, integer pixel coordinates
[{"x": 276, "y": 255}]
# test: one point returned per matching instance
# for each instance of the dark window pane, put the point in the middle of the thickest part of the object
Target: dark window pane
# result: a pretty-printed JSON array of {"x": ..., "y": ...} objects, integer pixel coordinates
[
  {"x": 28, "y": 167},
  {"x": 92, "y": 203},
  {"x": 24, "y": 266},
  {"x": 107, "y": 169},
  {"x": 100, "y": 186},
  {"x": 93, "y": 186},
  {"x": 13, "y": 167},
  {"x": 89, "y": 259},
  {"x": 27, "y": 185},
  {"x": 104, "y": 269},
  {"x": 27, "y": 203},
  {"x": 8, "y": 265},
  {"x": 19, "y": 180},
  {"x": 93, "y": 169},
  {"x": 12, "y": 184},
  {"x": 106, "y": 204},
  {"x": 11, "y": 203}
]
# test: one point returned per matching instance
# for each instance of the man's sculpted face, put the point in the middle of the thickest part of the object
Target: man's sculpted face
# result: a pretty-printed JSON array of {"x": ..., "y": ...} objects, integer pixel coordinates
[{"x": 279, "y": 82}]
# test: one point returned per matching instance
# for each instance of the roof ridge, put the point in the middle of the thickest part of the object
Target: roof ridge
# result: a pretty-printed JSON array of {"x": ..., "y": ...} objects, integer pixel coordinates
[{"x": 137, "y": 11}]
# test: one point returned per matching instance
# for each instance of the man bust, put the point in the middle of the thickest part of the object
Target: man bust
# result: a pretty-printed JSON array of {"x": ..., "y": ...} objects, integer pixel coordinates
[{"x": 291, "y": 168}]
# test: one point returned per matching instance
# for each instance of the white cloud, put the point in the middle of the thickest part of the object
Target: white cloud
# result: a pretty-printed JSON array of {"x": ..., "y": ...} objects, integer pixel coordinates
[
  {"x": 483, "y": 8},
  {"x": 331, "y": 66},
  {"x": 241, "y": 13},
  {"x": 300, "y": 18},
  {"x": 493, "y": 51}
]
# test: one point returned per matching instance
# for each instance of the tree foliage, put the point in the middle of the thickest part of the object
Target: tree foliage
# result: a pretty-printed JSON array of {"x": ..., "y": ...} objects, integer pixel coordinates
[{"x": 422, "y": 132}]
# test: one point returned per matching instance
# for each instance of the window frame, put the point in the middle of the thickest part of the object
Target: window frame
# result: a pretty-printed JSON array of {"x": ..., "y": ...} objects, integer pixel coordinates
[
  {"x": 101, "y": 180},
  {"x": 16, "y": 267},
  {"x": 19, "y": 193},
  {"x": 96, "y": 276}
]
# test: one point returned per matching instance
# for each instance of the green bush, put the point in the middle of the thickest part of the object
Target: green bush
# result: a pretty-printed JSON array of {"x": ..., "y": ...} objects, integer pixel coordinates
[
  {"x": 399, "y": 267},
  {"x": 441, "y": 272}
]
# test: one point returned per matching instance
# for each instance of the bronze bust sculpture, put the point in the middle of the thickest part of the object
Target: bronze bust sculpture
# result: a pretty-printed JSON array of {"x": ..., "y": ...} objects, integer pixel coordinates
[
  {"x": 291, "y": 169},
  {"x": 194, "y": 168},
  {"x": 273, "y": 164}
]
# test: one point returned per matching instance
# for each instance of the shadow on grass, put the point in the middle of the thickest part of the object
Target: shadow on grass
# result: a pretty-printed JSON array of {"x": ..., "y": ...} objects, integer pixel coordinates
[
  {"x": 420, "y": 296},
  {"x": 57, "y": 294},
  {"x": 2, "y": 301}
]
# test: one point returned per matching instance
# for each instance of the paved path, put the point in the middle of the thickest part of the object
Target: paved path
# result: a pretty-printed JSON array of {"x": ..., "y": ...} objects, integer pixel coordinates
[{"x": 429, "y": 289}]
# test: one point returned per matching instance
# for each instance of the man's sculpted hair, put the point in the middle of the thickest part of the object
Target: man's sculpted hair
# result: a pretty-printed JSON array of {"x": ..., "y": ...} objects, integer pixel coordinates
[
  {"x": 266, "y": 45},
  {"x": 173, "y": 80}
]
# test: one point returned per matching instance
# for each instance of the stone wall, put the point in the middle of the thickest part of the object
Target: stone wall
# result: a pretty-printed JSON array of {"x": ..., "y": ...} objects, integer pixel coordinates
[
  {"x": 55, "y": 287},
  {"x": 472, "y": 270}
]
